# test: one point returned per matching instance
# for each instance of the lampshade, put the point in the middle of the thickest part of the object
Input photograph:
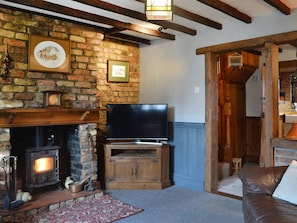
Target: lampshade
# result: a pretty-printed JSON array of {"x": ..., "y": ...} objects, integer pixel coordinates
[{"x": 158, "y": 9}]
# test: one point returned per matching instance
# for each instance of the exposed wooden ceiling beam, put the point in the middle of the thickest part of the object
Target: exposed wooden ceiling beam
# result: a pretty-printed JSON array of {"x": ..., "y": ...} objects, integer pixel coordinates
[
  {"x": 114, "y": 8},
  {"x": 137, "y": 15},
  {"x": 197, "y": 18},
  {"x": 174, "y": 26},
  {"x": 92, "y": 17},
  {"x": 278, "y": 4},
  {"x": 127, "y": 38},
  {"x": 228, "y": 9},
  {"x": 112, "y": 31},
  {"x": 254, "y": 43},
  {"x": 191, "y": 16},
  {"x": 123, "y": 37}
]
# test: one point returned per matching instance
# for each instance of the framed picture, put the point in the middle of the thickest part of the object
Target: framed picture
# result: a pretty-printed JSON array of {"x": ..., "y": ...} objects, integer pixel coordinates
[
  {"x": 49, "y": 54},
  {"x": 118, "y": 71},
  {"x": 235, "y": 60}
]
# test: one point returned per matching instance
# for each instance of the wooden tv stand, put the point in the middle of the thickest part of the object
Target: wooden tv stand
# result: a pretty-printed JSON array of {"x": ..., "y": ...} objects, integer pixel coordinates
[{"x": 136, "y": 166}]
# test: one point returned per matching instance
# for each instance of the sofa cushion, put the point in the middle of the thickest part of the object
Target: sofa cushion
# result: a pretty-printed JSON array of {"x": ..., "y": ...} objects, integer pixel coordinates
[
  {"x": 261, "y": 179},
  {"x": 287, "y": 189}
]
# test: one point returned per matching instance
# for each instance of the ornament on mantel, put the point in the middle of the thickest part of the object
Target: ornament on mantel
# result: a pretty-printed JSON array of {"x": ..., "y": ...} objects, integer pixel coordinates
[
  {"x": 24, "y": 196},
  {"x": 68, "y": 181},
  {"x": 6, "y": 62}
]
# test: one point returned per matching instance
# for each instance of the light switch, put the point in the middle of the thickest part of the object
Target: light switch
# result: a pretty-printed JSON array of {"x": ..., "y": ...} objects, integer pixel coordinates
[{"x": 196, "y": 90}]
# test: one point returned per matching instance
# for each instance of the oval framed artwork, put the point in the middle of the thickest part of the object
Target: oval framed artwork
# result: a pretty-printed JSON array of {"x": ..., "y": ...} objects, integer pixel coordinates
[{"x": 49, "y": 54}]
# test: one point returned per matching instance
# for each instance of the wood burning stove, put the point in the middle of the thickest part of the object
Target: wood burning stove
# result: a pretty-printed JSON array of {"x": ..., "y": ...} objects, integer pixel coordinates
[
  {"x": 42, "y": 167},
  {"x": 63, "y": 147}
]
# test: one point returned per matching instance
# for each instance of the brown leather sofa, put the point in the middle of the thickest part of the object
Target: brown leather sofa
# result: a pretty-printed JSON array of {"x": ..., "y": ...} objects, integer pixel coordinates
[{"x": 258, "y": 205}]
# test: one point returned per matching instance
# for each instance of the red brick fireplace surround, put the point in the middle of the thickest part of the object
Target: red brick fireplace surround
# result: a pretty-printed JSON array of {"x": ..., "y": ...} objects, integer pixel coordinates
[{"x": 83, "y": 121}]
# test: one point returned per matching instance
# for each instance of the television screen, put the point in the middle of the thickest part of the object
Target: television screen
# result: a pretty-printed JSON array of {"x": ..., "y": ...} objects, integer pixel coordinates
[{"x": 137, "y": 122}]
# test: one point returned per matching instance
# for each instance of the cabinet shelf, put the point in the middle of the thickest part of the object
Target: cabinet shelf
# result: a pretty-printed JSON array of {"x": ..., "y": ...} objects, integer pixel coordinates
[
  {"x": 136, "y": 166},
  {"x": 134, "y": 153}
]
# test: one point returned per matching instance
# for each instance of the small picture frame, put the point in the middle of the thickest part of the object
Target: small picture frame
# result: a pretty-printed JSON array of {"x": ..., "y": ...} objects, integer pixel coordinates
[
  {"x": 118, "y": 71},
  {"x": 52, "y": 99},
  {"x": 235, "y": 60},
  {"x": 49, "y": 54}
]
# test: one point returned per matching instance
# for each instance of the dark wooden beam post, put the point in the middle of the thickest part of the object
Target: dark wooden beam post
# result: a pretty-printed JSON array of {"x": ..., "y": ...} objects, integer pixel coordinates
[
  {"x": 211, "y": 108},
  {"x": 211, "y": 123},
  {"x": 270, "y": 109}
]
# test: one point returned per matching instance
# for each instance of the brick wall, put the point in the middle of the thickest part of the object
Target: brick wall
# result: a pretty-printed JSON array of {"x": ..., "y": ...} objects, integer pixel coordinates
[{"x": 87, "y": 80}]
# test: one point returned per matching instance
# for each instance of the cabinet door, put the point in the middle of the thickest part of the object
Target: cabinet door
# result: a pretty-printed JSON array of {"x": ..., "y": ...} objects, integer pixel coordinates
[
  {"x": 148, "y": 170},
  {"x": 121, "y": 170}
]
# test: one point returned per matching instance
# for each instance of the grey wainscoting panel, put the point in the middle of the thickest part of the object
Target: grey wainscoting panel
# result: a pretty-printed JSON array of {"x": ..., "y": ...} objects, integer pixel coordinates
[{"x": 187, "y": 154}]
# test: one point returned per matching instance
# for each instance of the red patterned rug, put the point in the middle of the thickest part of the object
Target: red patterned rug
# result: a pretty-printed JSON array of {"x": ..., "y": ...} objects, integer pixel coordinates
[{"x": 100, "y": 210}]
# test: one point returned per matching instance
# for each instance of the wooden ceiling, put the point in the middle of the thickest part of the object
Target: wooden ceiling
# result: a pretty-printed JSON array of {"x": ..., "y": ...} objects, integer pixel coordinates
[{"x": 128, "y": 27}]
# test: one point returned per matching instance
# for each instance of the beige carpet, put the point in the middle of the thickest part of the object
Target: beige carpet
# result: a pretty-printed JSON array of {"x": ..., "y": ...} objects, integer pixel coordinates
[{"x": 230, "y": 185}]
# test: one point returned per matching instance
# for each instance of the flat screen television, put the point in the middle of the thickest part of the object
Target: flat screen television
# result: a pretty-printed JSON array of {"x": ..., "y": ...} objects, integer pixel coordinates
[{"x": 137, "y": 122}]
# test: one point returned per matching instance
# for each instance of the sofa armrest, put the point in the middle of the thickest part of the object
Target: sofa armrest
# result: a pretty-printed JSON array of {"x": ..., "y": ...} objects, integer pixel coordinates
[{"x": 261, "y": 179}]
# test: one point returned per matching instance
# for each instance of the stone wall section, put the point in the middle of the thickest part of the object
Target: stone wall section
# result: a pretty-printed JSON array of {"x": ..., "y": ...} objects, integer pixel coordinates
[{"x": 83, "y": 152}]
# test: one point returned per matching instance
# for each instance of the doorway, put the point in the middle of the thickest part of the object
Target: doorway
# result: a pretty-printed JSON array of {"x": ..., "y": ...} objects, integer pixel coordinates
[
  {"x": 270, "y": 108},
  {"x": 238, "y": 134}
]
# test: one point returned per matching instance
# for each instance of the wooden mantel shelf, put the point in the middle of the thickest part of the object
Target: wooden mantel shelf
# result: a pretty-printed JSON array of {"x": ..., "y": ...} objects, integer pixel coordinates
[{"x": 47, "y": 116}]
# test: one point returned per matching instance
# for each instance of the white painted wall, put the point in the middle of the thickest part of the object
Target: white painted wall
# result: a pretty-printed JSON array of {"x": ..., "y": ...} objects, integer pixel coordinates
[
  {"x": 169, "y": 73},
  {"x": 170, "y": 70},
  {"x": 254, "y": 94}
]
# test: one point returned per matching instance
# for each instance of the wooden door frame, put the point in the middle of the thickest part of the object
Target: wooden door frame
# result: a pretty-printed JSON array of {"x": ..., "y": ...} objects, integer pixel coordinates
[{"x": 270, "y": 115}]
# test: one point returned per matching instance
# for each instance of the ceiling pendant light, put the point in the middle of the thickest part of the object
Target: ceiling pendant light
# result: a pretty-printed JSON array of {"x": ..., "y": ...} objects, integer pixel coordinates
[{"x": 158, "y": 9}]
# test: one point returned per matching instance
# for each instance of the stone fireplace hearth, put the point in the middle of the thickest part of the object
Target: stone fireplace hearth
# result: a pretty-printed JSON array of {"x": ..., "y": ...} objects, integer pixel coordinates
[{"x": 74, "y": 126}]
